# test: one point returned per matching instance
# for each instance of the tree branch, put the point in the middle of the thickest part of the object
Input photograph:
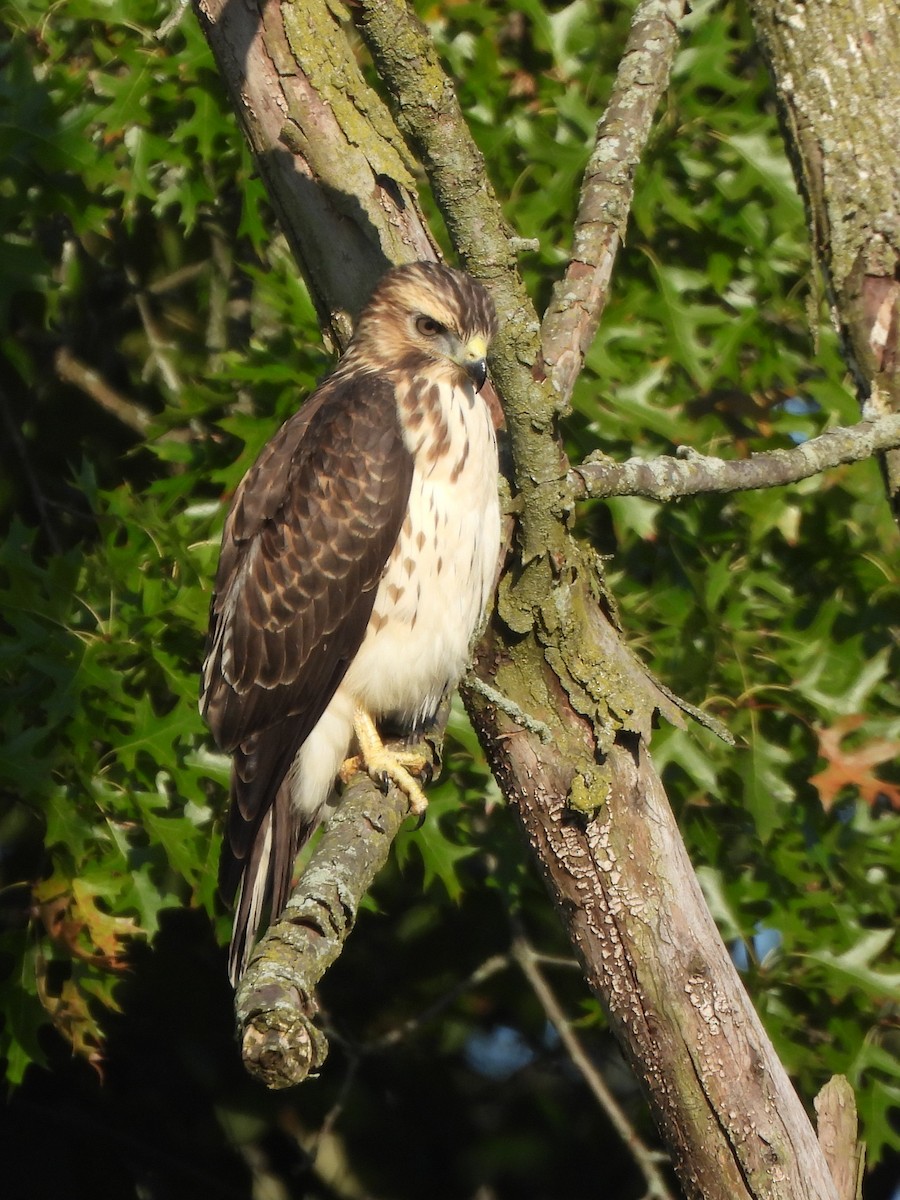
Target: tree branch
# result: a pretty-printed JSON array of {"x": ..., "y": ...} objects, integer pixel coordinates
[
  {"x": 590, "y": 800},
  {"x": 275, "y": 1002},
  {"x": 335, "y": 167},
  {"x": 834, "y": 67},
  {"x": 692, "y": 474},
  {"x": 428, "y": 112},
  {"x": 72, "y": 370},
  {"x": 646, "y": 1159},
  {"x": 579, "y": 298},
  {"x": 835, "y": 1108},
  {"x": 603, "y": 833}
]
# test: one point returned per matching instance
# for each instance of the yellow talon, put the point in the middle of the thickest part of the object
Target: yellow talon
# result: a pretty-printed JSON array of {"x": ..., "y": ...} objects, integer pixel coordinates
[{"x": 392, "y": 764}]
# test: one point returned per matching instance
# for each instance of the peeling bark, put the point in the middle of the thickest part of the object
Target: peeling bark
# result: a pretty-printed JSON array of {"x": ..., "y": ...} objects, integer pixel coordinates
[{"x": 596, "y": 815}]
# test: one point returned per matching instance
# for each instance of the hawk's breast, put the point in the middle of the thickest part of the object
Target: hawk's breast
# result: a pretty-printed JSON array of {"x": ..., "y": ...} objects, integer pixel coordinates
[{"x": 438, "y": 579}]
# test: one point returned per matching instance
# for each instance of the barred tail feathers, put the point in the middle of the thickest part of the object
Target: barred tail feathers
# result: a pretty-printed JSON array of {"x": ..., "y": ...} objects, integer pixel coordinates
[{"x": 262, "y": 875}]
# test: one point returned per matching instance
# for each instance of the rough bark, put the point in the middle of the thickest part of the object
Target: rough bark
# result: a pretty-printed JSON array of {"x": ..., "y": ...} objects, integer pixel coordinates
[
  {"x": 336, "y": 169},
  {"x": 834, "y": 66},
  {"x": 275, "y": 1003},
  {"x": 838, "y": 1128},
  {"x": 595, "y": 812},
  {"x": 588, "y": 796}
]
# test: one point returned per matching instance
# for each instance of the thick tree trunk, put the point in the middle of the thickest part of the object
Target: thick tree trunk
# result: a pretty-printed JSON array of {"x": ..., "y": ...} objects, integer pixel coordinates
[
  {"x": 337, "y": 171},
  {"x": 597, "y": 817},
  {"x": 834, "y": 65},
  {"x": 588, "y": 796}
]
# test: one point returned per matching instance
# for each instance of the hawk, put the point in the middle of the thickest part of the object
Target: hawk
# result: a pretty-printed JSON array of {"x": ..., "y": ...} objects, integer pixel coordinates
[{"x": 357, "y": 562}]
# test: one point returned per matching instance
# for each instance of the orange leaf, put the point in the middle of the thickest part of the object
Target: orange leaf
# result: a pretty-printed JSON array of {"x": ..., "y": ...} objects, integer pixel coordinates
[
  {"x": 853, "y": 768},
  {"x": 70, "y": 914},
  {"x": 72, "y": 1017},
  {"x": 105, "y": 932}
]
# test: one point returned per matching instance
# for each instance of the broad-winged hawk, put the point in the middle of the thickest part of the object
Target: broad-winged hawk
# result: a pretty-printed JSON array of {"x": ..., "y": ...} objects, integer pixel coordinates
[{"x": 356, "y": 564}]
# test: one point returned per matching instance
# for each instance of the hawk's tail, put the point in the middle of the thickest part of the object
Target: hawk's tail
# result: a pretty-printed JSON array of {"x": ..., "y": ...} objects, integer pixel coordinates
[{"x": 265, "y": 877}]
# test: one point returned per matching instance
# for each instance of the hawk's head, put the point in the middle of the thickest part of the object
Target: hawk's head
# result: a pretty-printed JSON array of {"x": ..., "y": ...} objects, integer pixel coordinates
[{"x": 425, "y": 315}]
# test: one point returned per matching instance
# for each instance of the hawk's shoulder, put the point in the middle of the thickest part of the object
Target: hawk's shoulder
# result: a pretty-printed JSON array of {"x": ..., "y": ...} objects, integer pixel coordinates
[{"x": 305, "y": 542}]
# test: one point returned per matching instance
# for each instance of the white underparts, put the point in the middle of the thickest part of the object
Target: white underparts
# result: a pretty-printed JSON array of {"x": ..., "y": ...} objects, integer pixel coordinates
[{"x": 433, "y": 593}]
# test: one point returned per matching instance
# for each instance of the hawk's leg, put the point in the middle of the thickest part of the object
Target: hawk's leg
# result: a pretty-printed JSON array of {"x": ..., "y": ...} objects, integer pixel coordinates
[{"x": 382, "y": 763}]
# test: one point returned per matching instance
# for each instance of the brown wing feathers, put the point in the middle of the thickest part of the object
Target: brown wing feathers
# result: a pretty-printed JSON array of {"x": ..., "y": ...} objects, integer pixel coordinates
[{"x": 303, "y": 551}]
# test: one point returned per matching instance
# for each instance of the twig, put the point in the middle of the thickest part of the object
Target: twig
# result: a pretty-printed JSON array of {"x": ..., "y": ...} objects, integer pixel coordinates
[
  {"x": 580, "y": 296},
  {"x": 490, "y": 966},
  {"x": 41, "y": 503},
  {"x": 331, "y": 1118},
  {"x": 174, "y": 19},
  {"x": 690, "y": 474},
  {"x": 178, "y": 278},
  {"x": 159, "y": 349},
  {"x": 512, "y": 710},
  {"x": 646, "y": 1158},
  {"x": 72, "y": 370}
]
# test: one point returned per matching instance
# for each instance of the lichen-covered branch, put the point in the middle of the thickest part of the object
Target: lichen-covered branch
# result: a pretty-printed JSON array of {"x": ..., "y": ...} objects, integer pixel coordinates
[
  {"x": 692, "y": 474},
  {"x": 275, "y": 1003},
  {"x": 634, "y": 912},
  {"x": 579, "y": 298}
]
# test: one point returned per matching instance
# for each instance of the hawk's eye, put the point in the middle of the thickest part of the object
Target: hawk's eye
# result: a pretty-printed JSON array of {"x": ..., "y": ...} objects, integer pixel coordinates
[{"x": 429, "y": 327}]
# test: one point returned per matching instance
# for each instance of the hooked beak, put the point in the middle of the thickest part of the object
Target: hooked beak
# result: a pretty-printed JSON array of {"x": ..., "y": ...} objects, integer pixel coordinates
[{"x": 472, "y": 361}]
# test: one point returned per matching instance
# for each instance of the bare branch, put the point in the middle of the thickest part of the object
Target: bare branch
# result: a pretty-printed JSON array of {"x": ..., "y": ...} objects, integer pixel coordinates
[
  {"x": 174, "y": 19},
  {"x": 692, "y": 474},
  {"x": 483, "y": 972},
  {"x": 72, "y": 370},
  {"x": 275, "y": 1002},
  {"x": 647, "y": 1159},
  {"x": 579, "y": 298}
]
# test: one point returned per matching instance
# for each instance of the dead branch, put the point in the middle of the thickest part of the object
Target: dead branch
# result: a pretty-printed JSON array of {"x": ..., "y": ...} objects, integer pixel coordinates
[
  {"x": 692, "y": 474},
  {"x": 72, "y": 370},
  {"x": 647, "y": 1160}
]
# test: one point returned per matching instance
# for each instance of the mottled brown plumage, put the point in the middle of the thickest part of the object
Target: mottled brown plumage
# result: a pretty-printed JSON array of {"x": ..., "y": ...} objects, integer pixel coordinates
[{"x": 356, "y": 563}]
